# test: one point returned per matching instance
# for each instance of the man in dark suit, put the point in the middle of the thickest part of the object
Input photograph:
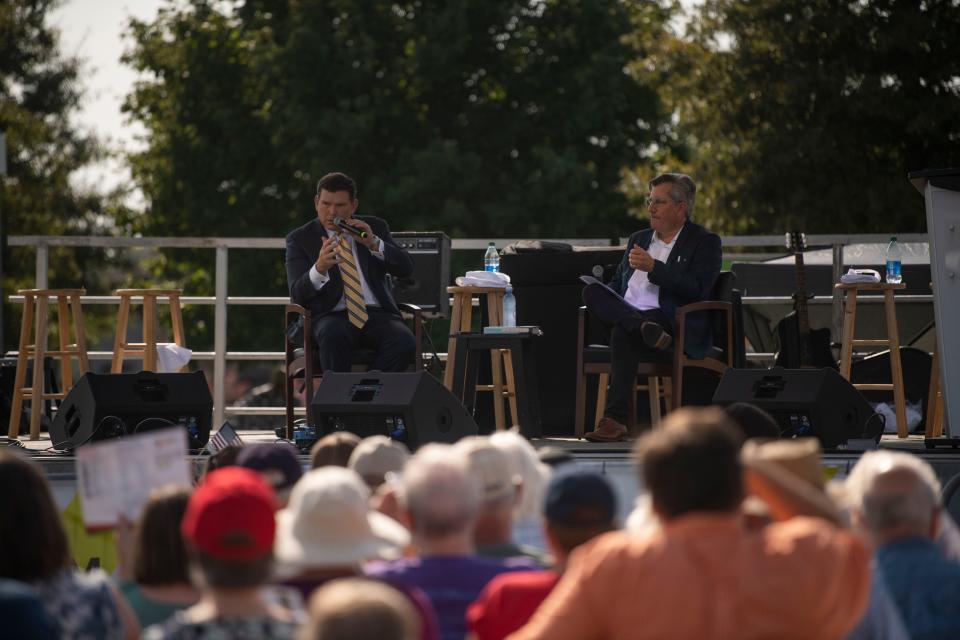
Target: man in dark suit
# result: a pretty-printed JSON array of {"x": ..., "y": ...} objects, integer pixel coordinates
[
  {"x": 341, "y": 277},
  {"x": 673, "y": 263}
]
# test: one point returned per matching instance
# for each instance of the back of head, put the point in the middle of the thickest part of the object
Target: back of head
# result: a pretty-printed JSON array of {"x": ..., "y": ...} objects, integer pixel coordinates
[
  {"x": 438, "y": 492},
  {"x": 494, "y": 470},
  {"x": 533, "y": 473},
  {"x": 692, "y": 464},
  {"x": 32, "y": 537},
  {"x": 360, "y": 609},
  {"x": 579, "y": 505},
  {"x": 333, "y": 449},
  {"x": 894, "y": 495},
  {"x": 754, "y": 421},
  {"x": 23, "y": 613},
  {"x": 229, "y": 529},
  {"x": 277, "y": 463},
  {"x": 160, "y": 556},
  {"x": 377, "y": 456}
]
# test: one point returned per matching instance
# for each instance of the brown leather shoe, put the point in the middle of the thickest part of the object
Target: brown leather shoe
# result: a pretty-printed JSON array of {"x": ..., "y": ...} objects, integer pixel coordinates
[{"x": 608, "y": 430}]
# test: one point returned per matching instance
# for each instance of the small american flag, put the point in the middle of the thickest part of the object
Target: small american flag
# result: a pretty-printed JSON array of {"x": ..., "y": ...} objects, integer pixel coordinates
[{"x": 225, "y": 437}]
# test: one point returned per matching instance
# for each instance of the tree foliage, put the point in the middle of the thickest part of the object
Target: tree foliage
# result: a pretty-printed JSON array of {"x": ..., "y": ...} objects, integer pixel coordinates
[
  {"x": 38, "y": 94},
  {"x": 810, "y": 113},
  {"x": 482, "y": 119}
]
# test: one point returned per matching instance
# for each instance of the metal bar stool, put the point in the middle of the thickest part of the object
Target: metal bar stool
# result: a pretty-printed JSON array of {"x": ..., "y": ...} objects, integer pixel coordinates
[
  {"x": 148, "y": 348},
  {"x": 35, "y": 319},
  {"x": 892, "y": 341},
  {"x": 501, "y": 360}
]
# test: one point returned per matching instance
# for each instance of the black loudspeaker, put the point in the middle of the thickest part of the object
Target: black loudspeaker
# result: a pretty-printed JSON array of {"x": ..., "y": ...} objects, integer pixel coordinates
[
  {"x": 804, "y": 402},
  {"x": 114, "y": 405},
  {"x": 414, "y": 408},
  {"x": 427, "y": 287}
]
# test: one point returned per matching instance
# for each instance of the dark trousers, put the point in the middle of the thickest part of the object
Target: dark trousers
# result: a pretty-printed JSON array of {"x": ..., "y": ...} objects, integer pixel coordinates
[
  {"x": 627, "y": 348},
  {"x": 384, "y": 333}
]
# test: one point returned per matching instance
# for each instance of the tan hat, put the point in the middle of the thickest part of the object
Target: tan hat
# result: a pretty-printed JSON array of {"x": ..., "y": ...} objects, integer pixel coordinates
[
  {"x": 329, "y": 523},
  {"x": 800, "y": 457},
  {"x": 376, "y": 456},
  {"x": 491, "y": 467}
]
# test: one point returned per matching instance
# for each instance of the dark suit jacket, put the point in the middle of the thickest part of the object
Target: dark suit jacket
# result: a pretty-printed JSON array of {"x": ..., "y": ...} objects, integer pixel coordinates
[
  {"x": 303, "y": 248},
  {"x": 687, "y": 276}
]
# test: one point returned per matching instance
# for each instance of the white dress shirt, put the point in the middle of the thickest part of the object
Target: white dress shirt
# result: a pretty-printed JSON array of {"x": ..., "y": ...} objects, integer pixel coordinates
[
  {"x": 641, "y": 293},
  {"x": 320, "y": 279}
]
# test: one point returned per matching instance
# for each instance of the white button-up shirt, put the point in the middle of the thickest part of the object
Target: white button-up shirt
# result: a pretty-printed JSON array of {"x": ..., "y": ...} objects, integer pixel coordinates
[{"x": 641, "y": 293}]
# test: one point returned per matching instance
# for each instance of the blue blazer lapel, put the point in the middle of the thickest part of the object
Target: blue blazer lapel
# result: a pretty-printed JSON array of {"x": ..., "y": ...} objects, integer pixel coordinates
[{"x": 678, "y": 248}]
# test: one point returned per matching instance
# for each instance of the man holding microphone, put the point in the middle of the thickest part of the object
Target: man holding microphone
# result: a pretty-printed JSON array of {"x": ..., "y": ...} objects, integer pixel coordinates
[{"x": 337, "y": 267}]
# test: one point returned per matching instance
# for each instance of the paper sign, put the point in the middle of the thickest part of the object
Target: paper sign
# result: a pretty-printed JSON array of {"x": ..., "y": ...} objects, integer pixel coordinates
[{"x": 116, "y": 476}]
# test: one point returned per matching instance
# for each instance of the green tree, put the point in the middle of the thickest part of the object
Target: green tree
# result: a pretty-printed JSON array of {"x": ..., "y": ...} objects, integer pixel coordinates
[
  {"x": 477, "y": 118},
  {"x": 38, "y": 94},
  {"x": 809, "y": 114}
]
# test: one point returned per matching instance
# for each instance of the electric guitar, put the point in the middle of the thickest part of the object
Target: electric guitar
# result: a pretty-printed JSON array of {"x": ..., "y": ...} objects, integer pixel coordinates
[{"x": 801, "y": 346}]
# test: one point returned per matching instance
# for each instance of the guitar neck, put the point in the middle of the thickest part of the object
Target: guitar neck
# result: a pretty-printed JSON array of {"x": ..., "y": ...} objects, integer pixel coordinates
[{"x": 800, "y": 303}]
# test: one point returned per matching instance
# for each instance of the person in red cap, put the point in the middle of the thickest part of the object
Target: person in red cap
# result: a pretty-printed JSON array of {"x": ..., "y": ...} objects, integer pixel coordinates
[{"x": 229, "y": 529}]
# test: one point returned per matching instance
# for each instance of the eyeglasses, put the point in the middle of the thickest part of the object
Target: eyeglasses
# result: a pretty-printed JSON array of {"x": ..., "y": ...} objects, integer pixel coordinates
[{"x": 657, "y": 201}]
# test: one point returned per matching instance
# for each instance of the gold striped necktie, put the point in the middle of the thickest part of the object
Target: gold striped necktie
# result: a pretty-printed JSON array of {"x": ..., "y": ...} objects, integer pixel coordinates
[{"x": 353, "y": 294}]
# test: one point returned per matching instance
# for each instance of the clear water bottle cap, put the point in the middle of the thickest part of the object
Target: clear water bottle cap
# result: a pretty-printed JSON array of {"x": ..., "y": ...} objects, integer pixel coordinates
[{"x": 893, "y": 238}]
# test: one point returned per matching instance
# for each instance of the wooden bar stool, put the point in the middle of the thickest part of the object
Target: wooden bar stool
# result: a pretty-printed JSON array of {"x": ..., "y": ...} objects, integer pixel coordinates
[
  {"x": 892, "y": 341},
  {"x": 35, "y": 319},
  {"x": 934, "y": 421},
  {"x": 461, "y": 321},
  {"x": 148, "y": 348}
]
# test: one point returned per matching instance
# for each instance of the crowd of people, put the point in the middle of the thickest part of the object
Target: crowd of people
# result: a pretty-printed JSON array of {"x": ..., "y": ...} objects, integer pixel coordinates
[{"x": 735, "y": 535}]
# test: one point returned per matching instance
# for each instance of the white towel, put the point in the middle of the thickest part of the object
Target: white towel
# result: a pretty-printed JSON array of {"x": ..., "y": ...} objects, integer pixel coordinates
[
  {"x": 484, "y": 279},
  {"x": 172, "y": 357},
  {"x": 858, "y": 276}
]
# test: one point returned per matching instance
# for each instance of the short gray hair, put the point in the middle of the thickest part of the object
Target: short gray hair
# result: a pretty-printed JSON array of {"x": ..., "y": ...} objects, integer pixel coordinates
[
  {"x": 682, "y": 188},
  {"x": 438, "y": 491},
  {"x": 893, "y": 489}
]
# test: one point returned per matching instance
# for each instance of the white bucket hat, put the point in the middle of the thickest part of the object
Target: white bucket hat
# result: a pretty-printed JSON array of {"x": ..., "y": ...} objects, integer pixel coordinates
[{"x": 329, "y": 523}]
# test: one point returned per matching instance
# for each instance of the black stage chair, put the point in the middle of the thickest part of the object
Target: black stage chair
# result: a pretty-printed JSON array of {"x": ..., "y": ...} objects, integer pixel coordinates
[
  {"x": 298, "y": 366},
  {"x": 726, "y": 321}
]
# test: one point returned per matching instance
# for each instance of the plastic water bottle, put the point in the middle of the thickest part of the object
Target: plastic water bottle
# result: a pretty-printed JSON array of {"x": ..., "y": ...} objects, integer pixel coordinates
[
  {"x": 491, "y": 259},
  {"x": 894, "y": 260},
  {"x": 509, "y": 309}
]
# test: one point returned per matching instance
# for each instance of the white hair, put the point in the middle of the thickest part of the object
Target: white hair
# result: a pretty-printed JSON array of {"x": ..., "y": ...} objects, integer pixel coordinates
[
  {"x": 438, "y": 491},
  {"x": 894, "y": 489},
  {"x": 534, "y": 474}
]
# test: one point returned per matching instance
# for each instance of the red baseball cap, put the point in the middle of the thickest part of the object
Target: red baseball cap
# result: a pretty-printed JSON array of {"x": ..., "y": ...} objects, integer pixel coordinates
[{"x": 230, "y": 516}]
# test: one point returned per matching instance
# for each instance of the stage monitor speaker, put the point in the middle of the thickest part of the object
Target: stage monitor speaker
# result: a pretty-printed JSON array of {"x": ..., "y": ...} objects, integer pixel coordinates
[
  {"x": 102, "y": 406},
  {"x": 427, "y": 287},
  {"x": 804, "y": 402},
  {"x": 414, "y": 408}
]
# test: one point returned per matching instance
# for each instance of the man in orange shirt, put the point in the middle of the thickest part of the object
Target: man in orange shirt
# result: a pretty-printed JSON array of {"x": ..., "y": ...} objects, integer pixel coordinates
[{"x": 703, "y": 574}]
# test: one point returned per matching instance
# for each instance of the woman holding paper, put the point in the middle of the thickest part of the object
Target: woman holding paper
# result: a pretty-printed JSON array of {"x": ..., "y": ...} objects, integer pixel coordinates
[{"x": 35, "y": 551}]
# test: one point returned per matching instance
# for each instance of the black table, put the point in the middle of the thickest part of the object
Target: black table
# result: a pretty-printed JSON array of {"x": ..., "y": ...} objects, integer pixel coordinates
[{"x": 472, "y": 346}]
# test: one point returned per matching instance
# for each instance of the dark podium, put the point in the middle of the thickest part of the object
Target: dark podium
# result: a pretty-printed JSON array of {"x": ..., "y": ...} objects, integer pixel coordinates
[{"x": 547, "y": 288}]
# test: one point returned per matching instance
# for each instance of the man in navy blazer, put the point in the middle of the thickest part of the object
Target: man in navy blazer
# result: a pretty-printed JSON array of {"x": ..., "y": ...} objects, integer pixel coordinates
[
  {"x": 313, "y": 275},
  {"x": 673, "y": 263}
]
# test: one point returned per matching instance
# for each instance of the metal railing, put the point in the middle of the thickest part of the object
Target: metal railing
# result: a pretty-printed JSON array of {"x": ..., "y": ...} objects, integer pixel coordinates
[{"x": 221, "y": 299}]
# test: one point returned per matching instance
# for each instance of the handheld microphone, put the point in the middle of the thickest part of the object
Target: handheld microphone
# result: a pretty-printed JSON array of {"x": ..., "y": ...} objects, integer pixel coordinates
[{"x": 340, "y": 222}]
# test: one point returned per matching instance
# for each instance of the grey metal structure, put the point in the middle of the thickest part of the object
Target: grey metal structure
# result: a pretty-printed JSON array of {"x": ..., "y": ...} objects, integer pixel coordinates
[{"x": 941, "y": 190}]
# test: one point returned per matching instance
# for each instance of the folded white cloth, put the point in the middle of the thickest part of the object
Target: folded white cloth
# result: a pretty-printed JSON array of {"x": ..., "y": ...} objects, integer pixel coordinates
[
  {"x": 172, "y": 357},
  {"x": 858, "y": 276},
  {"x": 484, "y": 279}
]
